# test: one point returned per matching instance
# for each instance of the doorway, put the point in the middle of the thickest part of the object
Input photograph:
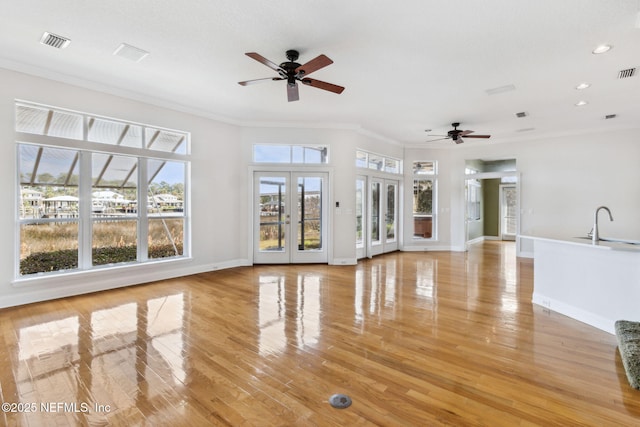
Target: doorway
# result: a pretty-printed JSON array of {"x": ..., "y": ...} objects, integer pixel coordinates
[
  {"x": 290, "y": 217},
  {"x": 492, "y": 206},
  {"x": 376, "y": 216},
  {"x": 508, "y": 211}
]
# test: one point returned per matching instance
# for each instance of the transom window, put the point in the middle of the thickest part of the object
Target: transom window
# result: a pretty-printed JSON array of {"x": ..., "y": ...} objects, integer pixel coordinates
[
  {"x": 97, "y": 192},
  {"x": 41, "y": 120},
  {"x": 298, "y": 154},
  {"x": 367, "y": 160}
]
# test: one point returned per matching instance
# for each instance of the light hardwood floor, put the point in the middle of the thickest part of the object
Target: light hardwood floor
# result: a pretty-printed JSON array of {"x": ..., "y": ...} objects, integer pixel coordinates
[{"x": 416, "y": 339}]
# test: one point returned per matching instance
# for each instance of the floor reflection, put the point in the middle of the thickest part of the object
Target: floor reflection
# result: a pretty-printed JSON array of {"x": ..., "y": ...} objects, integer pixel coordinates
[
  {"x": 288, "y": 311},
  {"x": 115, "y": 358}
]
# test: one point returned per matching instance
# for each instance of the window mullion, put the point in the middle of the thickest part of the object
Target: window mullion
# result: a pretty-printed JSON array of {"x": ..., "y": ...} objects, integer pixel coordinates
[
  {"x": 85, "y": 222},
  {"x": 143, "y": 214}
]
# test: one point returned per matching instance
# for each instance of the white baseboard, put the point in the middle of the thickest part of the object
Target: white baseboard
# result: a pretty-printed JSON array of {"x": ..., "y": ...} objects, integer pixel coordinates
[
  {"x": 44, "y": 288},
  {"x": 427, "y": 248},
  {"x": 476, "y": 240},
  {"x": 343, "y": 261},
  {"x": 607, "y": 325}
]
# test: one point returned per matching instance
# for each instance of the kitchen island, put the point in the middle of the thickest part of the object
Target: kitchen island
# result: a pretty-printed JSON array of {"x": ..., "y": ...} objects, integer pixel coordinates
[{"x": 594, "y": 283}]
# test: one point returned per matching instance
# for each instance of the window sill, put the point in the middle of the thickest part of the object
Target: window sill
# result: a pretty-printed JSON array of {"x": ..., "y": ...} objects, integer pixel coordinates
[{"x": 82, "y": 276}]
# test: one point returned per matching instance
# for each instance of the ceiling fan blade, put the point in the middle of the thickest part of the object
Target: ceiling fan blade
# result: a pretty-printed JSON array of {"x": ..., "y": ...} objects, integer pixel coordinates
[
  {"x": 439, "y": 139},
  {"x": 250, "y": 82},
  {"x": 478, "y": 136},
  {"x": 323, "y": 85},
  {"x": 292, "y": 92},
  {"x": 261, "y": 59},
  {"x": 465, "y": 132},
  {"x": 315, "y": 64}
]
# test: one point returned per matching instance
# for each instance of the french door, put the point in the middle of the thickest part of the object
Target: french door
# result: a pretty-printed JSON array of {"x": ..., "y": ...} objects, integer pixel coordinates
[
  {"x": 508, "y": 212},
  {"x": 376, "y": 216},
  {"x": 290, "y": 211}
]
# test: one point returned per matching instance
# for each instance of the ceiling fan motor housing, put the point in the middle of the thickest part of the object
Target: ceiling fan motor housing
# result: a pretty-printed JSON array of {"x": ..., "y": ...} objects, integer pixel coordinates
[{"x": 290, "y": 67}]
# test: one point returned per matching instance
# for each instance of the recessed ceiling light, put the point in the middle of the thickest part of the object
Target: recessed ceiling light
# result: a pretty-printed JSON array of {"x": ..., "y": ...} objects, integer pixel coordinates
[
  {"x": 581, "y": 103},
  {"x": 583, "y": 86},
  {"x": 602, "y": 49},
  {"x": 501, "y": 89}
]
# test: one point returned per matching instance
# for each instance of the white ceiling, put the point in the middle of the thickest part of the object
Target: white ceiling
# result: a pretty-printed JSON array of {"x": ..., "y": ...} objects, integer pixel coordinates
[{"x": 407, "y": 65}]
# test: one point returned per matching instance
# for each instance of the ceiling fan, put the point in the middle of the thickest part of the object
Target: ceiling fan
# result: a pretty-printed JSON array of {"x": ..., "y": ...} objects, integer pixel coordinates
[
  {"x": 293, "y": 73},
  {"x": 456, "y": 134}
]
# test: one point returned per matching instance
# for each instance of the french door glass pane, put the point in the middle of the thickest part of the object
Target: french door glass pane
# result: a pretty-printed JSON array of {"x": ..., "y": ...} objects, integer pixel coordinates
[
  {"x": 375, "y": 211},
  {"x": 359, "y": 210},
  {"x": 509, "y": 196},
  {"x": 272, "y": 213},
  {"x": 391, "y": 212},
  {"x": 309, "y": 213}
]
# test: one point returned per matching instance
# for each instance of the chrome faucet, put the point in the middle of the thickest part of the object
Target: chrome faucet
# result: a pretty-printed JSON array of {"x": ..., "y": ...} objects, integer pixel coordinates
[{"x": 595, "y": 236}]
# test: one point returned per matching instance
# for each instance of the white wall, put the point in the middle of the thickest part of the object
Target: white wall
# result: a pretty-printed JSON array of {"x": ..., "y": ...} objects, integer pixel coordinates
[
  {"x": 218, "y": 189},
  {"x": 562, "y": 182}
]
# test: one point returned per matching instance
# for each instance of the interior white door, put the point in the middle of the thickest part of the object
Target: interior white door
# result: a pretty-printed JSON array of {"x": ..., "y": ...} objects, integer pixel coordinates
[{"x": 290, "y": 211}]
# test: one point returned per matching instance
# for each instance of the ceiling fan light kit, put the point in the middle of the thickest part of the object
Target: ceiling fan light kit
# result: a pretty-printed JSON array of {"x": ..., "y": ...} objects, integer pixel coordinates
[{"x": 293, "y": 72}]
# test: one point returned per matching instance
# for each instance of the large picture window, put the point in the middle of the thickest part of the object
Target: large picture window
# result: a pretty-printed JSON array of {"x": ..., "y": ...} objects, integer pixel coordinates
[{"x": 96, "y": 192}]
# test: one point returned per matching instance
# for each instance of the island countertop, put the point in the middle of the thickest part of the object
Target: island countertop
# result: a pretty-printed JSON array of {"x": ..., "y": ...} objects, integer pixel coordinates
[
  {"x": 594, "y": 283},
  {"x": 605, "y": 243}
]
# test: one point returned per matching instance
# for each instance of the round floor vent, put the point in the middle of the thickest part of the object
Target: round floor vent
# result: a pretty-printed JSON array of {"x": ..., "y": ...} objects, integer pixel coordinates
[{"x": 340, "y": 401}]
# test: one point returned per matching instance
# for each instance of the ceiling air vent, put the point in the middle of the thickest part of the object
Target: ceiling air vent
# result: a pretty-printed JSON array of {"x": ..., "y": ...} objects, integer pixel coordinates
[
  {"x": 610, "y": 116},
  {"x": 54, "y": 40},
  {"x": 521, "y": 114},
  {"x": 624, "y": 74}
]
